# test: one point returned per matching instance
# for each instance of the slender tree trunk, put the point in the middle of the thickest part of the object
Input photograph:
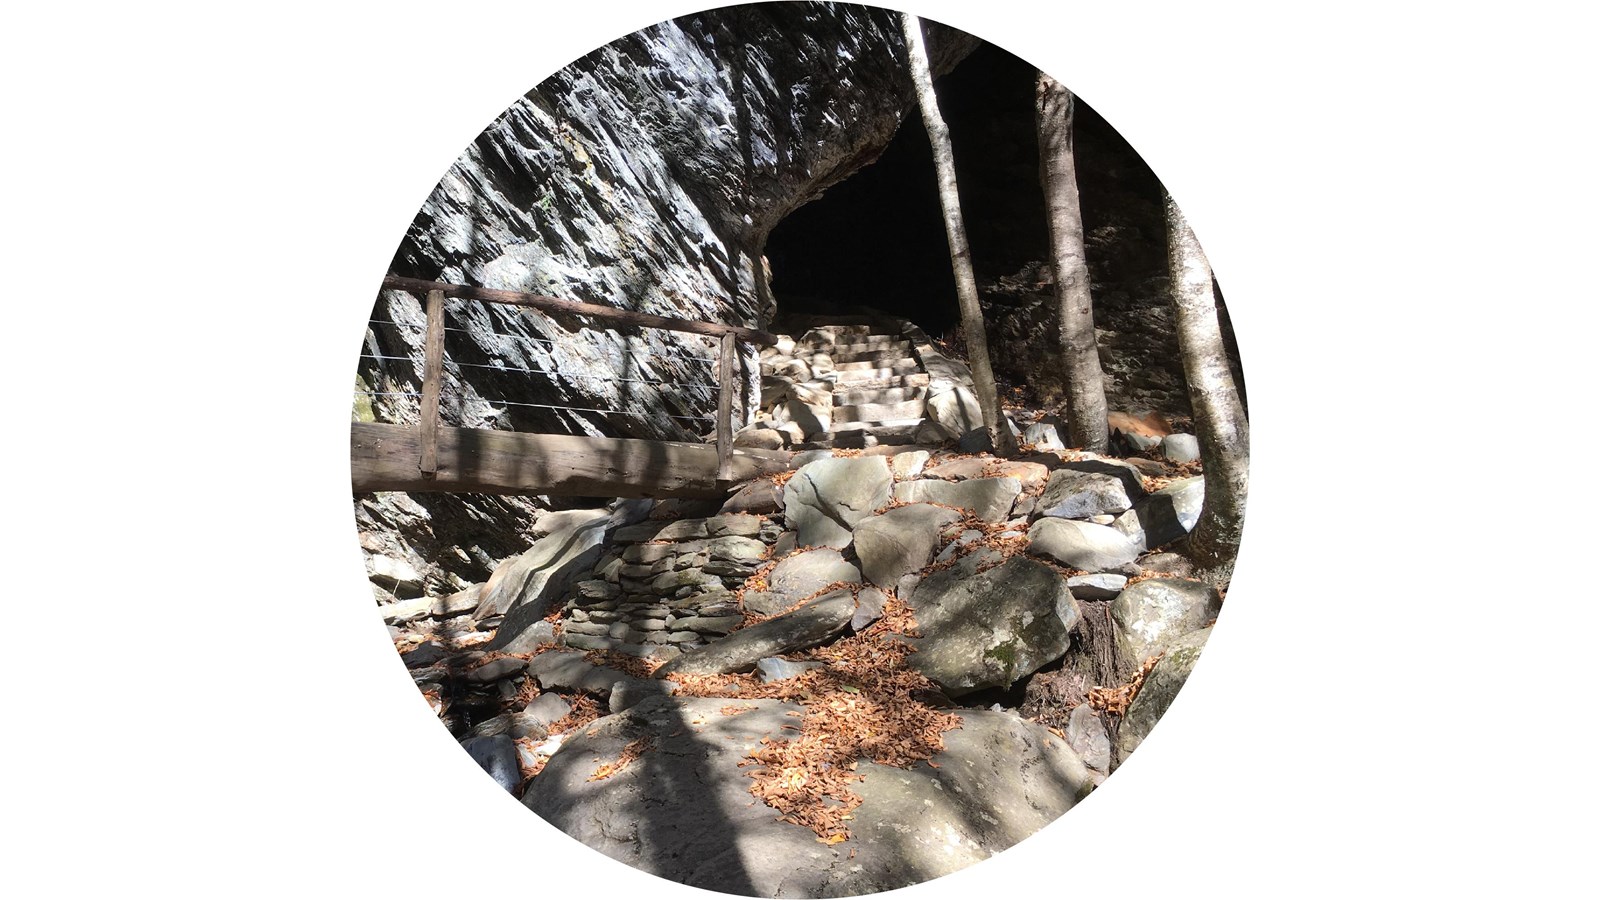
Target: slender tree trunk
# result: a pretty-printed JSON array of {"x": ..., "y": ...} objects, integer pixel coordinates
[
  {"x": 983, "y": 384},
  {"x": 1219, "y": 418},
  {"x": 1086, "y": 392}
]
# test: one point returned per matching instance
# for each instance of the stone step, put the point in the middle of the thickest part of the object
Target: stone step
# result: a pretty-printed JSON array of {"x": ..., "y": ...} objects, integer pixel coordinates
[
  {"x": 851, "y": 378},
  {"x": 879, "y": 412},
  {"x": 852, "y": 396},
  {"x": 888, "y": 355},
  {"x": 851, "y": 342},
  {"x": 857, "y": 435},
  {"x": 885, "y": 362},
  {"x": 859, "y": 381},
  {"x": 879, "y": 427}
]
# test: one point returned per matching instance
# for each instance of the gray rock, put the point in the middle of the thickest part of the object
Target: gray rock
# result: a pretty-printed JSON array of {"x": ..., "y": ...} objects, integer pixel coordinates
[
  {"x": 1150, "y": 615},
  {"x": 1075, "y": 494},
  {"x": 643, "y": 531},
  {"x": 740, "y": 550},
  {"x": 683, "y": 530},
  {"x": 901, "y": 541},
  {"x": 741, "y": 525},
  {"x": 1099, "y": 586},
  {"x": 547, "y": 708},
  {"x": 757, "y": 438},
  {"x": 823, "y": 501},
  {"x": 1174, "y": 564},
  {"x": 1081, "y": 545},
  {"x": 709, "y": 625},
  {"x": 565, "y": 670},
  {"x": 535, "y": 635},
  {"x": 461, "y": 603},
  {"x": 758, "y": 497},
  {"x": 424, "y": 655},
  {"x": 907, "y": 466},
  {"x": 784, "y": 545},
  {"x": 976, "y": 441},
  {"x": 693, "y": 580},
  {"x": 523, "y": 588},
  {"x": 963, "y": 469},
  {"x": 406, "y": 610},
  {"x": 1160, "y": 687},
  {"x": 989, "y": 629},
  {"x": 629, "y": 692},
  {"x": 496, "y": 755},
  {"x": 1043, "y": 435},
  {"x": 869, "y": 608},
  {"x": 807, "y": 457},
  {"x": 807, "y": 626},
  {"x": 1180, "y": 448},
  {"x": 683, "y": 811},
  {"x": 497, "y": 669},
  {"x": 597, "y": 590},
  {"x": 398, "y": 576},
  {"x": 1086, "y": 734},
  {"x": 803, "y": 574},
  {"x": 515, "y": 725},
  {"x": 775, "y": 668},
  {"x": 953, "y": 407},
  {"x": 990, "y": 499},
  {"x": 765, "y": 603},
  {"x": 1164, "y": 516}
]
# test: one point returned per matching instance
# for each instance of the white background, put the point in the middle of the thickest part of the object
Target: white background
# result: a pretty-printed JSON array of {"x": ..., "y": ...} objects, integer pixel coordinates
[{"x": 202, "y": 200}]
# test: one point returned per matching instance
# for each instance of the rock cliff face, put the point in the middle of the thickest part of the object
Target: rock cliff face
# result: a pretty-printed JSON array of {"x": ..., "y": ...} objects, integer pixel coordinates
[{"x": 645, "y": 175}]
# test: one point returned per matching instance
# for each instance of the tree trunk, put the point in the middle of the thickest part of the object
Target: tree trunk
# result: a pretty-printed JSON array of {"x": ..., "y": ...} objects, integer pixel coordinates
[
  {"x": 983, "y": 384},
  {"x": 1086, "y": 392},
  {"x": 1219, "y": 418}
]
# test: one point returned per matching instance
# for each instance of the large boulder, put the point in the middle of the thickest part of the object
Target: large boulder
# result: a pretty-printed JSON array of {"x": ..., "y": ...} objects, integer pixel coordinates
[
  {"x": 1074, "y": 493},
  {"x": 990, "y": 499},
  {"x": 682, "y": 809},
  {"x": 991, "y": 628},
  {"x": 900, "y": 541},
  {"x": 953, "y": 408},
  {"x": 1166, "y": 515},
  {"x": 825, "y": 499},
  {"x": 1081, "y": 545},
  {"x": 807, "y": 626},
  {"x": 1152, "y": 614},
  {"x": 1159, "y": 689}
]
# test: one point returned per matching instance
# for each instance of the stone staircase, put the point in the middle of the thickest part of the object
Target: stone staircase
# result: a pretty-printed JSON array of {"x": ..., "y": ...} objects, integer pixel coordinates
[{"x": 848, "y": 386}]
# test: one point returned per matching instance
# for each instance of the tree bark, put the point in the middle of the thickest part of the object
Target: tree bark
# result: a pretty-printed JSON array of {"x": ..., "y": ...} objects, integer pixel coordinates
[
  {"x": 1219, "y": 418},
  {"x": 1086, "y": 393},
  {"x": 983, "y": 383}
]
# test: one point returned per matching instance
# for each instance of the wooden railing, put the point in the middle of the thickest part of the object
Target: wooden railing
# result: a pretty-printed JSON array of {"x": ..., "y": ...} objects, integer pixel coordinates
[{"x": 433, "y": 353}]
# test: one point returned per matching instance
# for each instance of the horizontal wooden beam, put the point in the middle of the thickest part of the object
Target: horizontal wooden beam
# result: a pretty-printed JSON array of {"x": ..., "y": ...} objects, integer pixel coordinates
[
  {"x": 572, "y": 307},
  {"x": 473, "y": 460}
]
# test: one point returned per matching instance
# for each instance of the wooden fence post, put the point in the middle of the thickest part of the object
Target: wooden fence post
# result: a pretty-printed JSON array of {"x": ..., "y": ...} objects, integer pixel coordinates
[
  {"x": 432, "y": 375},
  {"x": 725, "y": 392}
]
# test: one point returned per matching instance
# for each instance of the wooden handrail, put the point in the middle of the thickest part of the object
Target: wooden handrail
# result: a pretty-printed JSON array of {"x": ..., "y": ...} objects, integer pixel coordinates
[
  {"x": 573, "y": 307},
  {"x": 427, "y": 459}
]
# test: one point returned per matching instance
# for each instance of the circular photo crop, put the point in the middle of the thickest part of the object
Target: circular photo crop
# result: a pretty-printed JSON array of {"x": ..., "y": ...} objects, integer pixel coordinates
[{"x": 799, "y": 449}]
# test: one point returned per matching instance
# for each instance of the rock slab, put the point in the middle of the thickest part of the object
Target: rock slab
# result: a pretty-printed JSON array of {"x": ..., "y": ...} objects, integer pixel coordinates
[
  {"x": 900, "y": 541},
  {"x": 988, "y": 629},
  {"x": 683, "y": 811},
  {"x": 809, "y": 625},
  {"x": 1151, "y": 615},
  {"x": 825, "y": 499}
]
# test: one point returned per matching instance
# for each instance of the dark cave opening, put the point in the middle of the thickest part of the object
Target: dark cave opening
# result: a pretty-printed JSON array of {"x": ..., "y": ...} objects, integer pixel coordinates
[{"x": 877, "y": 238}]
